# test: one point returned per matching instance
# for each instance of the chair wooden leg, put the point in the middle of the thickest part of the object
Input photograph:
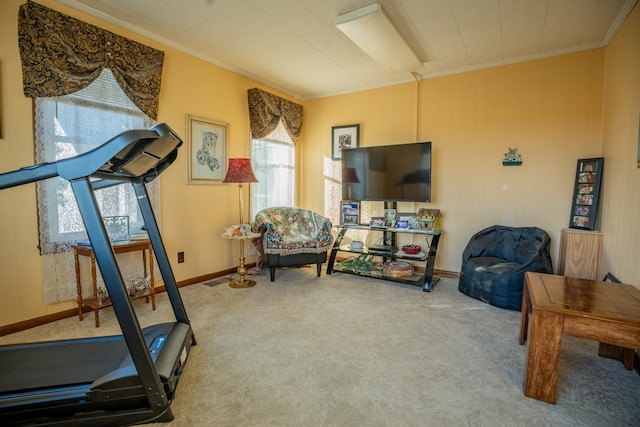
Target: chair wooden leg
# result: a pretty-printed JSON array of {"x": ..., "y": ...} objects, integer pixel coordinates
[
  {"x": 272, "y": 273},
  {"x": 319, "y": 266}
]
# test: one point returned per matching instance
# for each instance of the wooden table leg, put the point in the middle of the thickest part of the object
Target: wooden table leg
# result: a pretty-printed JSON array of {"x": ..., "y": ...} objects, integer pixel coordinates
[
  {"x": 144, "y": 270},
  {"x": 152, "y": 288},
  {"x": 78, "y": 283},
  {"x": 625, "y": 355},
  {"x": 543, "y": 356},
  {"x": 94, "y": 282},
  {"x": 526, "y": 307}
]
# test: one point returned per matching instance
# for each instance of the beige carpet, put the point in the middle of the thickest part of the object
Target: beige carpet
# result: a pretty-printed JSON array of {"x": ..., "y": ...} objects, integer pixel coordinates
[{"x": 343, "y": 350}]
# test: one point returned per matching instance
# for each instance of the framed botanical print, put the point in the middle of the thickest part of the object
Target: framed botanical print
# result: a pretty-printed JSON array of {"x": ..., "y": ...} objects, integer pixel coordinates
[
  {"x": 207, "y": 152},
  {"x": 586, "y": 194}
]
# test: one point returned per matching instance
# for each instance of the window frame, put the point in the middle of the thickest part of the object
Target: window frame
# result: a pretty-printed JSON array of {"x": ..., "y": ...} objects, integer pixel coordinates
[
  {"x": 291, "y": 167},
  {"x": 50, "y": 137}
]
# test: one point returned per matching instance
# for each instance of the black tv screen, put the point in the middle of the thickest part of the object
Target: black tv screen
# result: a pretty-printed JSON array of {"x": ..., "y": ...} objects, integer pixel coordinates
[{"x": 387, "y": 173}]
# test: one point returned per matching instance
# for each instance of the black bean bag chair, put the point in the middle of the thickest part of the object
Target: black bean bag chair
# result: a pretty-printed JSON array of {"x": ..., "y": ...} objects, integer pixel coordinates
[{"x": 495, "y": 260}]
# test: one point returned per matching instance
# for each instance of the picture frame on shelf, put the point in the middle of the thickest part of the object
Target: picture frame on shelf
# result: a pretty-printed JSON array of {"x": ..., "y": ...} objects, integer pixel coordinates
[
  {"x": 207, "y": 150},
  {"x": 350, "y": 212},
  {"x": 377, "y": 222},
  {"x": 407, "y": 220},
  {"x": 117, "y": 228},
  {"x": 586, "y": 194},
  {"x": 390, "y": 217},
  {"x": 344, "y": 137}
]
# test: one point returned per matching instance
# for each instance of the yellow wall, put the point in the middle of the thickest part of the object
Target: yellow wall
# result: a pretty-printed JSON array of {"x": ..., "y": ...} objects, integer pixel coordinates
[
  {"x": 193, "y": 216},
  {"x": 549, "y": 109},
  {"x": 552, "y": 110},
  {"x": 621, "y": 194}
]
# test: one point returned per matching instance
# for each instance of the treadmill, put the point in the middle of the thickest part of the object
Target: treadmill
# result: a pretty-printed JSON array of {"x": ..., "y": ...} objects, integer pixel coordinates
[{"x": 115, "y": 380}]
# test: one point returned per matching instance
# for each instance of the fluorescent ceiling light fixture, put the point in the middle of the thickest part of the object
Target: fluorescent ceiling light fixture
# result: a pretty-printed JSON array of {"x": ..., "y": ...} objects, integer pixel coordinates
[{"x": 370, "y": 29}]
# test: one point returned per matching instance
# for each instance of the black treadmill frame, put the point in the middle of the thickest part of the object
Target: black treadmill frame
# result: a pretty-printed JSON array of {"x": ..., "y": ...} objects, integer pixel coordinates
[{"x": 136, "y": 157}]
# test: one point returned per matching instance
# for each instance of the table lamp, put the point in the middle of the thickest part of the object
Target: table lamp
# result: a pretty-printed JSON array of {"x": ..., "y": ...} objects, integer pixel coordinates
[
  {"x": 350, "y": 176},
  {"x": 240, "y": 171}
]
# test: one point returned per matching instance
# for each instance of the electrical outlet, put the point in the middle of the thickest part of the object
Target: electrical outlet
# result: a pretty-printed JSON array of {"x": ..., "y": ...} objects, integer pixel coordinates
[{"x": 180, "y": 257}]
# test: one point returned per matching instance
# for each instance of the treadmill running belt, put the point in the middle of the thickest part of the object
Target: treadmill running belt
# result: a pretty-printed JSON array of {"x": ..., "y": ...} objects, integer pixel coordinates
[{"x": 43, "y": 365}]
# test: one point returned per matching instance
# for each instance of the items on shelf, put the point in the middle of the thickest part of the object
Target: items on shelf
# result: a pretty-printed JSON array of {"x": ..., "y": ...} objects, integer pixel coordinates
[
  {"x": 406, "y": 220},
  {"x": 397, "y": 269},
  {"x": 238, "y": 230},
  {"x": 390, "y": 217},
  {"x": 411, "y": 249},
  {"x": 117, "y": 228},
  {"x": 429, "y": 219},
  {"x": 364, "y": 265},
  {"x": 356, "y": 244},
  {"x": 377, "y": 221},
  {"x": 350, "y": 213},
  {"x": 102, "y": 294},
  {"x": 360, "y": 263}
]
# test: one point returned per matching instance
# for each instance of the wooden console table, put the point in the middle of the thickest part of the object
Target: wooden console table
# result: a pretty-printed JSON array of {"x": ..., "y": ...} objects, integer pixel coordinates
[
  {"x": 600, "y": 311},
  {"x": 92, "y": 301}
]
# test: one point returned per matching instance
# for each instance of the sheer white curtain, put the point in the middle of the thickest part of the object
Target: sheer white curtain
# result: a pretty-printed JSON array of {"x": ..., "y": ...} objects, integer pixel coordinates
[
  {"x": 274, "y": 164},
  {"x": 65, "y": 127}
]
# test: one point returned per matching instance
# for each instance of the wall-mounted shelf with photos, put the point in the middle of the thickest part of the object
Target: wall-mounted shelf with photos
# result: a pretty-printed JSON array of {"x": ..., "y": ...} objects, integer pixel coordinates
[{"x": 586, "y": 194}]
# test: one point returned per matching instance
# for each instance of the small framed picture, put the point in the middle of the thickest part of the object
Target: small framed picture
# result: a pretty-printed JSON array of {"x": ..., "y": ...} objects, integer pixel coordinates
[
  {"x": 350, "y": 213},
  {"x": 344, "y": 137},
  {"x": 377, "y": 221},
  {"x": 586, "y": 194},
  {"x": 117, "y": 228},
  {"x": 407, "y": 220},
  {"x": 207, "y": 154},
  {"x": 390, "y": 217}
]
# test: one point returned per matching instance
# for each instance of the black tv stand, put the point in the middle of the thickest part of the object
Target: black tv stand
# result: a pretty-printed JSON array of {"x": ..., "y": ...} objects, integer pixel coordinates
[{"x": 419, "y": 278}]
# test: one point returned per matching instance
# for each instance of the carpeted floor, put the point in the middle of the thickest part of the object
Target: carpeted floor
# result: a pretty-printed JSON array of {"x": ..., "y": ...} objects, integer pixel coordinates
[{"x": 343, "y": 350}]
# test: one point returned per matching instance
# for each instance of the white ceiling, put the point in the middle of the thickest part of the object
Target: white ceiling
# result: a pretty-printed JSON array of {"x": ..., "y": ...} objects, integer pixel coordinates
[{"x": 294, "y": 46}]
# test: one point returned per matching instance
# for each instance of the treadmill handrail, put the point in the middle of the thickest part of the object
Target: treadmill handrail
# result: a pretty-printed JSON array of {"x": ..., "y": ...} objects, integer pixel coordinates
[
  {"x": 136, "y": 157},
  {"x": 121, "y": 149}
]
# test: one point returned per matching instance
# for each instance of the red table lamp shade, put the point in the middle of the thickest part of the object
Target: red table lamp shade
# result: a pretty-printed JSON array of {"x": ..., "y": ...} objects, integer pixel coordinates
[{"x": 240, "y": 171}]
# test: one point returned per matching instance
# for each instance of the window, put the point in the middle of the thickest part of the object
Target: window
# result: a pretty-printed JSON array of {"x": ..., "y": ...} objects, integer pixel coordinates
[
  {"x": 70, "y": 125},
  {"x": 274, "y": 165},
  {"x": 65, "y": 127}
]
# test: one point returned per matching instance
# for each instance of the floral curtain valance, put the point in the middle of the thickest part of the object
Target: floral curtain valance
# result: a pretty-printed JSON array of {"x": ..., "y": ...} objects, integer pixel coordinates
[
  {"x": 61, "y": 55},
  {"x": 266, "y": 110}
]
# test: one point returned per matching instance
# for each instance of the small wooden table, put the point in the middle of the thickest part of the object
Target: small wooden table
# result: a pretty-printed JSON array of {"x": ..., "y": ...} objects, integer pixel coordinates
[
  {"x": 92, "y": 301},
  {"x": 600, "y": 311}
]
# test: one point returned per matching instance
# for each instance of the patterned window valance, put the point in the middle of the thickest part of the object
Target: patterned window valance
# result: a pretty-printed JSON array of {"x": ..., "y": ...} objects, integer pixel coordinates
[
  {"x": 61, "y": 55},
  {"x": 267, "y": 109}
]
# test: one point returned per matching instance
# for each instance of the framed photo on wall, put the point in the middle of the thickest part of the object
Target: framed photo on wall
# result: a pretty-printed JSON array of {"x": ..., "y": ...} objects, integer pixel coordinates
[
  {"x": 586, "y": 194},
  {"x": 343, "y": 137},
  {"x": 207, "y": 153}
]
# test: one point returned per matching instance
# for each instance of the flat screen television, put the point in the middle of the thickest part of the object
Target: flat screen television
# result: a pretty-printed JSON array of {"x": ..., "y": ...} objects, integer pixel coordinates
[{"x": 399, "y": 172}]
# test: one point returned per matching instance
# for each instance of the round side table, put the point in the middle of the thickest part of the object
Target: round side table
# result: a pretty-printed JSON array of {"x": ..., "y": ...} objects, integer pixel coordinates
[{"x": 242, "y": 270}]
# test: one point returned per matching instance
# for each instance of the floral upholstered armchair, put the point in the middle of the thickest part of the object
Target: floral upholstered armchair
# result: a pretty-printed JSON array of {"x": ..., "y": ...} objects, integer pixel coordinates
[{"x": 292, "y": 237}]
